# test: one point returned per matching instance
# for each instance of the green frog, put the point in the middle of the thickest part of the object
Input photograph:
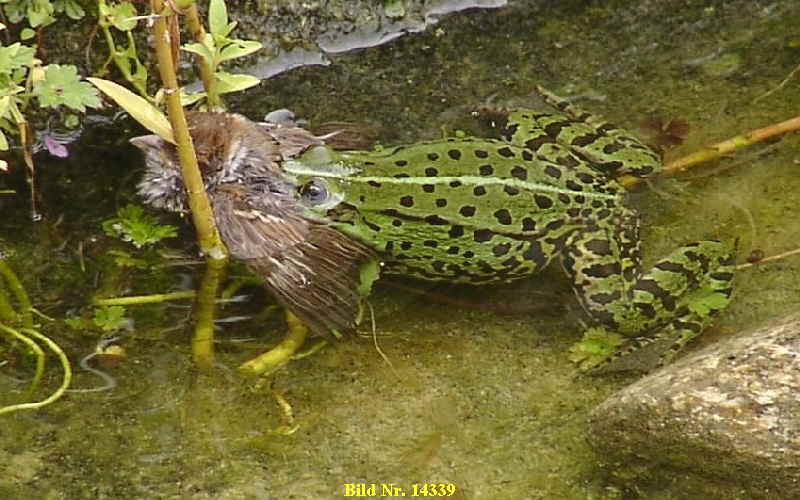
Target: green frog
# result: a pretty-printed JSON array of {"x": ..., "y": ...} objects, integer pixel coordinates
[{"x": 474, "y": 210}]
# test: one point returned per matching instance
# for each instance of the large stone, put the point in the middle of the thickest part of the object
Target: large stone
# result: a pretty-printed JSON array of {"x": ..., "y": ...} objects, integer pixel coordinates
[{"x": 724, "y": 420}]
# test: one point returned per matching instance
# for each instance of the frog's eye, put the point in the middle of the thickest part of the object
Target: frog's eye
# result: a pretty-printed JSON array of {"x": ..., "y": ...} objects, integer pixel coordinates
[{"x": 314, "y": 192}]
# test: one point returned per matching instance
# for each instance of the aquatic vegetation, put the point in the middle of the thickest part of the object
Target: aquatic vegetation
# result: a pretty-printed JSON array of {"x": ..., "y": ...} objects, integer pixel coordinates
[
  {"x": 133, "y": 225},
  {"x": 110, "y": 318},
  {"x": 27, "y": 335}
]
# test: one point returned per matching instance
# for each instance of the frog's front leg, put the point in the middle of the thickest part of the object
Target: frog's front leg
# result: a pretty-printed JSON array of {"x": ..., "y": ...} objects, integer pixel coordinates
[{"x": 664, "y": 308}]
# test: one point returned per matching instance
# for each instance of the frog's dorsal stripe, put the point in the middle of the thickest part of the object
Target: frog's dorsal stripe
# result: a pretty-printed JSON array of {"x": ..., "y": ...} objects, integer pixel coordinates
[
  {"x": 299, "y": 169},
  {"x": 483, "y": 181}
]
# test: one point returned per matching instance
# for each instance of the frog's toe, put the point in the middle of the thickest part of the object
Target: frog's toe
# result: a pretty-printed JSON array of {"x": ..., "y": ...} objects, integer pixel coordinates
[{"x": 645, "y": 354}]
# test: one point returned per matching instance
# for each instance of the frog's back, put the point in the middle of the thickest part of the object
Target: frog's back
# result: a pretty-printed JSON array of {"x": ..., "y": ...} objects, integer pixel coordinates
[
  {"x": 469, "y": 210},
  {"x": 477, "y": 158}
]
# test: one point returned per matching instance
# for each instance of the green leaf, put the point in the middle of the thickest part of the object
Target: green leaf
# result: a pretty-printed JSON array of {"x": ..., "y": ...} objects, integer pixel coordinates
[
  {"x": 239, "y": 48},
  {"x": 134, "y": 225},
  {"x": 5, "y": 102},
  {"x": 75, "y": 322},
  {"x": 3, "y": 142},
  {"x": 139, "y": 108},
  {"x": 218, "y": 18},
  {"x": 121, "y": 16},
  {"x": 596, "y": 346},
  {"x": 124, "y": 259},
  {"x": 72, "y": 121},
  {"x": 15, "y": 12},
  {"x": 62, "y": 86},
  {"x": 394, "y": 9},
  {"x": 227, "y": 82},
  {"x": 16, "y": 115},
  {"x": 11, "y": 90},
  {"x": 40, "y": 14},
  {"x": 26, "y": 34},
  {"x": 201, "y": 49},
  {"x": 189, "y": 99},
  {"x": 15, "y": 56},
  {"x": 73, "y": 10},
  {"x": 109, "y": 318}
]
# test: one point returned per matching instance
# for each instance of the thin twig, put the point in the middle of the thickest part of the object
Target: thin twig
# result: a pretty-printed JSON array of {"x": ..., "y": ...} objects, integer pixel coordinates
[
  {"x": 721, "y": 148},
  {"x": 780, "y": 85},
  {"x": 770, "y": 258},
  {"x": 375, "y": 341}
]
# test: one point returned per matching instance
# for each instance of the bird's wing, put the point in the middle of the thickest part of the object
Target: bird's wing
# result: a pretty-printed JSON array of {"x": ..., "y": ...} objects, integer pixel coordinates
[{"x": 313, "y": 269}]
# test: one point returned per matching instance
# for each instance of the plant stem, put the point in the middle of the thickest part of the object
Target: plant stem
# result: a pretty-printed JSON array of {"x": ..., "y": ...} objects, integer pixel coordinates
[
  {"x": 19, "y": 292},
  {"x": 144, "y": 299},
  {"x": 206, "y": 70},
  {"x": 203, "y": 340},
  {"x": 7, "y": 313},
  {"x": 36, "y": 350},
  {"x": 202, "y": 216},
  {"x": 64, "y": 364}
]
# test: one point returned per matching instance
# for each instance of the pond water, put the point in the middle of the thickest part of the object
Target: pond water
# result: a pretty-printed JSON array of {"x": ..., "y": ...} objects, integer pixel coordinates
[{"x": 469, "y": 387}]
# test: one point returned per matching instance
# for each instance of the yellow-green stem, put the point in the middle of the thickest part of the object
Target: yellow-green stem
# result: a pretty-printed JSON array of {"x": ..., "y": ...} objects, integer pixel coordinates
[
  {"x": 203, "y": 341},
  {"x": 719, "y": 149},
  {"x": 206, "y": 70},
  {"x": 118, "y": 57},
  {"x": 64, "y": 364},
  {"x": 7, "y": 313},
  {"x": 36, "y": 350},
  {"x": 19, "y": 292},
  {"x": 202, "y": 216},
  {"x": 144, "y": 299}
]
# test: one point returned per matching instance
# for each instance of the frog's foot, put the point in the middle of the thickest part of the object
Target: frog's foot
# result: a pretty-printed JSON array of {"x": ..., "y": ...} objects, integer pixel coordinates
[
  {"x": 664, "y": 309},
  {"x": 601, "y": 351},
  {"x": 642, "y": 354},
  {"x": 597, "y": 346}
]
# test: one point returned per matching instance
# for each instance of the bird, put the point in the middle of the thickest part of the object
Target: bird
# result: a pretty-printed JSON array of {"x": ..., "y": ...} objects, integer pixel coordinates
[{"x": 312, "y": 269}]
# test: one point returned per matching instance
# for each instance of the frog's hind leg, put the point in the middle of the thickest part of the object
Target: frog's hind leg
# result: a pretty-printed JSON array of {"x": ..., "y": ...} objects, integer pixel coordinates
[
  {"x": 661, "y": 310},
  {"x": 574, "y": 112},
  {"x": 693, "y": 285},
  {"x": 608, "y": 147}
]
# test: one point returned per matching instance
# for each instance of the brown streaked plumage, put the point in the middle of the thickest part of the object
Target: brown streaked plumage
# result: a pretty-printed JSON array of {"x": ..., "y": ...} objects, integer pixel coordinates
[{"x": 311, "y": 268}]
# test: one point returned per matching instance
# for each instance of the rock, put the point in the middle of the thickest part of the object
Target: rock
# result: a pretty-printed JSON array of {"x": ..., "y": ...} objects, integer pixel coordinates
[{"x": 722, "y": 423}]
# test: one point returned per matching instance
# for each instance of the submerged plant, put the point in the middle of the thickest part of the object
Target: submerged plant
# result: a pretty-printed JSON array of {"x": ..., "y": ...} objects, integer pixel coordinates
[
  {"x": 133, "y": 225},
  {"x": 24, "y": 338}
]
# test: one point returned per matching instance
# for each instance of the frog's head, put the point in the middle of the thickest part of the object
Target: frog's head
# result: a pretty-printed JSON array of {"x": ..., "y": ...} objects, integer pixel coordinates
[{"x": 321, "y": 175}]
